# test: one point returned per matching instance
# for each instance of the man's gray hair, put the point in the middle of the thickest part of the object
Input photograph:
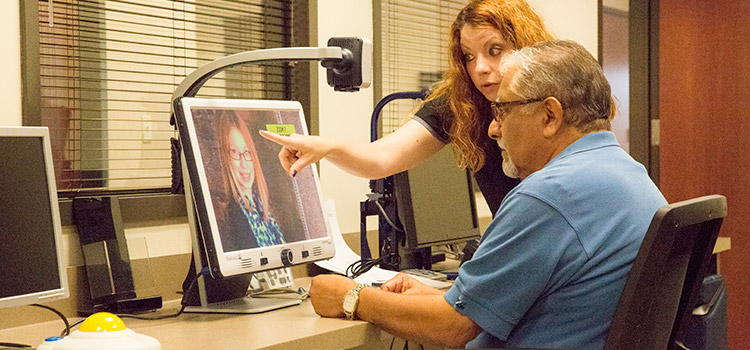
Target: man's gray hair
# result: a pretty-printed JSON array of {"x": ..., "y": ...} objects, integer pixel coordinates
[{"x": 567, "y": 71}]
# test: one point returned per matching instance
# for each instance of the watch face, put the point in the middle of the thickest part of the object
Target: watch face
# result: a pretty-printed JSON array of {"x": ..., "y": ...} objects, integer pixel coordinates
[{"x": 350, "y": 302}]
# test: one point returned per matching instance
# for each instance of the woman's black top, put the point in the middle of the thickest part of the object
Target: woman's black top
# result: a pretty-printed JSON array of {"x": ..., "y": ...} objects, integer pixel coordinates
[{"x": 437, "y": 117}]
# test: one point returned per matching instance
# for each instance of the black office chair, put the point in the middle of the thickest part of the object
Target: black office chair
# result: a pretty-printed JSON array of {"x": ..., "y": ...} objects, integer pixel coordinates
[
  {"x": 667, "y": 274},
  {"x": 664, "y": 283}
]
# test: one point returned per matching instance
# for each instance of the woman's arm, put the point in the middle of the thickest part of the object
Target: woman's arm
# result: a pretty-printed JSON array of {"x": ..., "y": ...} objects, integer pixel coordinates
[{"x": 401, "y": 150}]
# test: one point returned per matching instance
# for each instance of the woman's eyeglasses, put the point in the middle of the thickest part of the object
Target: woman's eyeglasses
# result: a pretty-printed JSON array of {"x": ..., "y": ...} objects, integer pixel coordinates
[
  {"x": 236, "y": 155},
  {"x": 501, "y": 109}
]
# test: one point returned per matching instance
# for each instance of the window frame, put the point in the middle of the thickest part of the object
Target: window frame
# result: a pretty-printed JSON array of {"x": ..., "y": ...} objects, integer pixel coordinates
[{"x": 137, "y": 205}]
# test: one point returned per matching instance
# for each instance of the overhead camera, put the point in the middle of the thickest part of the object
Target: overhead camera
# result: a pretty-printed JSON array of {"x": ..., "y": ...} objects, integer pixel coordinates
[{"x": 354, "y": 69}]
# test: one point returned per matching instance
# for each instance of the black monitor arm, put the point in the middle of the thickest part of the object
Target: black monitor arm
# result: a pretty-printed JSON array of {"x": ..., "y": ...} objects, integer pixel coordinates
[{"x": 380, "y": 202}]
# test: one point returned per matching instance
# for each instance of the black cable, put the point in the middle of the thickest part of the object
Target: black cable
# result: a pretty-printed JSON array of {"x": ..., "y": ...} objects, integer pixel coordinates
[
  {"x": 203, "y": 272},
  {"x": 72, "y": 325},
  {"x": 154, "y": 318},
  {"x": 64, "y": 319},
  {"x": 15, "y": 345},
  {"x": 359, "y": 267},
  {"x": 389, "y": 259},
  {"x": 389, "y": 255}
]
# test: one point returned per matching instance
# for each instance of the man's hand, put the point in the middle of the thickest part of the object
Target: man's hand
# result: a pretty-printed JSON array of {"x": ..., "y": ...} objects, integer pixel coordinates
[
  {"x": 299, "y": 151},
  {"x": 327, "y": 294},
  {"x": 403, "y": 307},
  {"x": 405, "y": 284}
]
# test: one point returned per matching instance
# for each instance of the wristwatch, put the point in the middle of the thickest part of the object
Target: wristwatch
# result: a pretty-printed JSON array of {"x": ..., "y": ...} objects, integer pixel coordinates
[{"x": 351, "y": 300}]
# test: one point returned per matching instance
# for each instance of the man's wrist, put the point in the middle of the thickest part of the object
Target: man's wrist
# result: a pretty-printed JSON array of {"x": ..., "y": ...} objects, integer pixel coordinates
[{"x": 351, "y": 301}]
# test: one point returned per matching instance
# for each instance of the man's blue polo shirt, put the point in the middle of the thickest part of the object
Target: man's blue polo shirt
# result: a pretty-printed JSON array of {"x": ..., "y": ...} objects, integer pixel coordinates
[{"x": 551, "y": 266}]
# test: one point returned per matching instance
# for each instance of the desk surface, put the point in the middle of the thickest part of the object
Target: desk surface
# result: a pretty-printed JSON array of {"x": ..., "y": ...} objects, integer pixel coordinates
[{"x": 295, "y": 327}]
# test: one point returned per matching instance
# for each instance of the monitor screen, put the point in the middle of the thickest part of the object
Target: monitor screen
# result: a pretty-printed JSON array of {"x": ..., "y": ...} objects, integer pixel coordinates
[
  {"x": 31, "y": 253},
  {"x": 436, "y": 202},
  {"x": 252, "y": 215}
]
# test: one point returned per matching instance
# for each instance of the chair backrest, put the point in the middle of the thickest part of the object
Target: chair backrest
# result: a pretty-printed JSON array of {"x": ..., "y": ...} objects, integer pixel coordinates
[{"x": 667, "y": 274}]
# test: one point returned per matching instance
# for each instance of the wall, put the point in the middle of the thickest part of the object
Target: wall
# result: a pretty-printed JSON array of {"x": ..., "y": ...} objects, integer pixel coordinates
[
  {"x": 620, "y": 5},
  {"x": 571, "y": 19},
  {"x": 615, "y": 63},
  {"x": 10, "y": 64},
  {"x": 344, "y": 116},
  {"x": 704, "y": 75}
]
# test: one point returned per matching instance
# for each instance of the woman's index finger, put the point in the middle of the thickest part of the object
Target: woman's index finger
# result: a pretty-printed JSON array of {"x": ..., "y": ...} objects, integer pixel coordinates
[{"x": 284, "y": 141}]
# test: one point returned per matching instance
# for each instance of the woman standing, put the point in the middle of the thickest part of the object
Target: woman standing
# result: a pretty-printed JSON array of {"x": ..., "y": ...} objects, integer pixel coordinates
[{"x": 457, "y": 112}]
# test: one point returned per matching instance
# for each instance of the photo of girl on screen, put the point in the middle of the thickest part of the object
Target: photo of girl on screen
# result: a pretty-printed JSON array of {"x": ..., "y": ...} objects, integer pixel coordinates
[
  {"x": 254, "y": 201},
  {"x": 247, "y": 209}
]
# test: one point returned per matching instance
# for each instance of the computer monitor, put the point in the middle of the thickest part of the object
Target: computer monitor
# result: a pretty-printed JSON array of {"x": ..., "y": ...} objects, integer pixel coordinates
[
  {"x": 436, "y": 206},
  {"x": 32, "y": 258},
  {"x": 250, "y": 215}
]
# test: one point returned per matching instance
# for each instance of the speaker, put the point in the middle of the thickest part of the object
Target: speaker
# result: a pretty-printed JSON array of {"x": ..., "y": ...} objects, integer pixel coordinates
[{"x": 105, "y": 254}]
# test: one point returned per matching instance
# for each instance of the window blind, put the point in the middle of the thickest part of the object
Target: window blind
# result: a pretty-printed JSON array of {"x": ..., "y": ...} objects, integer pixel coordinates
[
  {"x": 109, "y": 67},
  {"x": 413, "y": 45}
]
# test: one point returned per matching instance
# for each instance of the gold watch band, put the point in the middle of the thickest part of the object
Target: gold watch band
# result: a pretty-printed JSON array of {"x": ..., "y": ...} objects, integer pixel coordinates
[{"x": 351, "y": 301}]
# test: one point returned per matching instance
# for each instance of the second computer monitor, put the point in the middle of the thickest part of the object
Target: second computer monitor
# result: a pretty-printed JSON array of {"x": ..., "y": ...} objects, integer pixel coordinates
[
  {"x": 31, "y": 253},
  {"x": 436, "y": 202}
]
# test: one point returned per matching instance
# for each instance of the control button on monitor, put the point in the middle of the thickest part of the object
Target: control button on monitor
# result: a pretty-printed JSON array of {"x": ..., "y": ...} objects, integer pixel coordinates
[{"x": 287, "y": 257}]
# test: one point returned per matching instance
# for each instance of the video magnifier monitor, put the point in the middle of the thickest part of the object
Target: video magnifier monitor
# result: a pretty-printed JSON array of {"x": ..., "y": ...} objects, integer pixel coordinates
[
  {"x": 252, "y": 215},
  {"x": 31, "y": 253}
]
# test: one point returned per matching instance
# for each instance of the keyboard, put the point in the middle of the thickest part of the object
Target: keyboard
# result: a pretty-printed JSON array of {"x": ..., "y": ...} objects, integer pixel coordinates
[{"x": 433, "y": 275}]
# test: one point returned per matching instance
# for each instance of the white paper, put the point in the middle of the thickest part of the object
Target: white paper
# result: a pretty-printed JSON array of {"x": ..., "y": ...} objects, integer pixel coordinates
[{"x": 345, "y": 256}]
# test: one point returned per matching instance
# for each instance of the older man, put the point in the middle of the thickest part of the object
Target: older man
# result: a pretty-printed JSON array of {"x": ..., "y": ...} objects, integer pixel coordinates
[{"x": 552, "y": 265}]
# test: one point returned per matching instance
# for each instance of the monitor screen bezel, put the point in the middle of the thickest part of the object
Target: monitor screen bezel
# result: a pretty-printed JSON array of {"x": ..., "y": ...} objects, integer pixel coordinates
[
  {"x": 63, "y": 290},
  {"x": 221, "y": 263}
]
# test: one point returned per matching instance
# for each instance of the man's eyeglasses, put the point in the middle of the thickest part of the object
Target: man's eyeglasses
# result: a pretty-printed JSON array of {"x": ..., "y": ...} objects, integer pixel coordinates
[
  {"x": 236, "y": 155},
  {"x": 501, "y": 109}
]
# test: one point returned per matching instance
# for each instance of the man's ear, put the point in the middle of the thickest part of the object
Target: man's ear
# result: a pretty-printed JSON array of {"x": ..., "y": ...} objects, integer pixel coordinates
[{"x": 553, "y": 116}]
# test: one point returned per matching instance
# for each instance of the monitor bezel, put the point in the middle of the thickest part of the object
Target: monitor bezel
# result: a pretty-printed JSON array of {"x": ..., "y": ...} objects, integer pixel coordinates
[
  {"x": 63, "y": 291},
  {"x": 221, "y": 263}
]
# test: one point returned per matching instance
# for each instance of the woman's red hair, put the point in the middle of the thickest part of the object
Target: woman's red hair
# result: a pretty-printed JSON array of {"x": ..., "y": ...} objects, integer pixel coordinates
[
  {"x": 521, "y": 27},
  {"x": 225, "y": 123}
]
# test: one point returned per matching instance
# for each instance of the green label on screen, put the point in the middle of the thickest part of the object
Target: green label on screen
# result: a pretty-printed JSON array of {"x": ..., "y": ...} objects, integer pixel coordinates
[{"x": 281, "y": 129}]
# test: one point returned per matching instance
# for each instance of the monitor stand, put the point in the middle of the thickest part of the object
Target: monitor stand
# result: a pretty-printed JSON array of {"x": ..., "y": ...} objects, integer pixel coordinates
[
  {"x": 226, "y": 295},
  {"x": 218, "y": 295}
]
